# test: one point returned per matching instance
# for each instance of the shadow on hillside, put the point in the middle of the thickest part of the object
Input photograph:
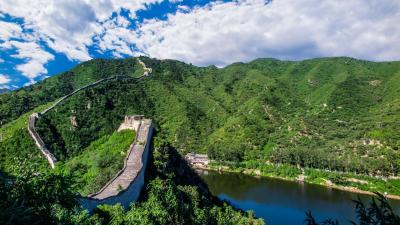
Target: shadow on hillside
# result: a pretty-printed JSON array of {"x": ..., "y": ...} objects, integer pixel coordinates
[{"x": 165, "y": 162}]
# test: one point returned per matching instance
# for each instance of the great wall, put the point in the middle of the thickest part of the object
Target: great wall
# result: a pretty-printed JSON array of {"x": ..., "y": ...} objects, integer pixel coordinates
[{"x": 126, "y": 185}]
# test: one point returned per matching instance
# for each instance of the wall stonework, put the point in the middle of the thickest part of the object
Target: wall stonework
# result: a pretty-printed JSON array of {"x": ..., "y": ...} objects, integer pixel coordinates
[
  {"x": 39, "y": 142},
  {"x": 131, "y": 177}
]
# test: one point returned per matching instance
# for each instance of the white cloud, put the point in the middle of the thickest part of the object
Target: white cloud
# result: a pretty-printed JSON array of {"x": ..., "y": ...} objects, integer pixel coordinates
[
  {"x": 222, "y": 33},
  {"x": 9, "y": 30},
  {"x": 68, "y": 26},
  {"x": 35, "y": 57},
  {"x": 30, "y": 82},
  {"x": 183, "y": 8},
  {"x": 1, "y": 60},
  {"x": 4, "y": 79},
  {"x": 65, "y": 26},
  {"x": 218, "y": 33}
]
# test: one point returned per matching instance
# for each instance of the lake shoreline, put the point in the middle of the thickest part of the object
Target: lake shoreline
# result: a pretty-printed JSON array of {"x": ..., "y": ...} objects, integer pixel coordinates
[{"x": 333, "y": 186}]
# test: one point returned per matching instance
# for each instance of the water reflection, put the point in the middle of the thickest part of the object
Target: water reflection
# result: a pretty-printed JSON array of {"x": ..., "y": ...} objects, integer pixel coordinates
[{"x": 284, "y": 202}]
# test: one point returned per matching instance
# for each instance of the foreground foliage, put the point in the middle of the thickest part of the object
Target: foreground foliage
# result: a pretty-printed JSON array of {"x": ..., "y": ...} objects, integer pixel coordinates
[
  {"x": 173, "y": 194},
  {"x": 378, "y": 212}
]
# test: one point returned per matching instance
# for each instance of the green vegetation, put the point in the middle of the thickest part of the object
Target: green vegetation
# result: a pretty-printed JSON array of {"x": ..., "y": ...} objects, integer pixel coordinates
[
  {"x": 16, "y": 144},
  {"x": 377, "y": 212},
  {"x": 99, "y": 162},
  {"x": 336, "y": 114},
  {"x": 18, "y": 102},
  {"x": 173, "y": 194},
  {"x": 313, "y": 113},
  {"x": 311, "y": 175},
  {"x": 278, "y": 117}
]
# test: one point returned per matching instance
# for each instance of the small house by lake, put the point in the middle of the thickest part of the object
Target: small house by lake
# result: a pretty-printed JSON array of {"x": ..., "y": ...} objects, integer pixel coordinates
[{"x": 197, "y": 159}]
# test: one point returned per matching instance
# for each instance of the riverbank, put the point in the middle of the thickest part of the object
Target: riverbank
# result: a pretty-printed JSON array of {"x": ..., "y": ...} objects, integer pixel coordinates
[{"x": 343, "y": 181}]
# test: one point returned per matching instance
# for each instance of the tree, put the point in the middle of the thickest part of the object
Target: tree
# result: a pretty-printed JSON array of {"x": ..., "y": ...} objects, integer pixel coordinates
[
  {"x": 37, "y": 197},
  {"x": 378, "y": 212}
]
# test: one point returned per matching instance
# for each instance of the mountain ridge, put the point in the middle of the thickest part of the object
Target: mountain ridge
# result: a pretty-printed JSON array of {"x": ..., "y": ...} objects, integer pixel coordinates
[{"x": 329, "y": 113}]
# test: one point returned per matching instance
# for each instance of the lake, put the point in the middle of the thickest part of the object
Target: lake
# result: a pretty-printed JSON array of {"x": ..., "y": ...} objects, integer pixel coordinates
[{"x": 281, "y": 202}]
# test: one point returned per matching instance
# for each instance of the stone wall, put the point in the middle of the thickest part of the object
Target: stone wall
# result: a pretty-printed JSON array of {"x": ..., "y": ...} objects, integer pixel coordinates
[
  {"x": 32, "y": 119},
  {"x": 132, "y": 175},
  {"x": 39, "y": 142},
  {"x": 132, "y": 190}
]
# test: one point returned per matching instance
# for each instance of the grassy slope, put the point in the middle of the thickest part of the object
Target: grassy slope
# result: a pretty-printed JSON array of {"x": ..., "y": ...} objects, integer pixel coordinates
[
  {"x": 99, "y": 162},
  {"x": 16, "y": 144}
]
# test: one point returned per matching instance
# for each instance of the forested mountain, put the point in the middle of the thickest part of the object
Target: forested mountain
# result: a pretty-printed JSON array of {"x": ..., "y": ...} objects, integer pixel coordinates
[
  {"x": 340, "y": 114},
  {"x": 330, "y": 113}
]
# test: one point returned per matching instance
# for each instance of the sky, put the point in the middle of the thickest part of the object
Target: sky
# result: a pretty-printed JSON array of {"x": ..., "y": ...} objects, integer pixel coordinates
[{"x": 40, "y": 38}]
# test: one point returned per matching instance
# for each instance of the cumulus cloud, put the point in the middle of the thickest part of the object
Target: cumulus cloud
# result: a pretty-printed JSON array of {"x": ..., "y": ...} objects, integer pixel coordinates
[
  {"x": 221, "y": 33},
  {"x": 33, "y": 55},
  {"x": 218, "y": 33},
  {"x": 68, "y": 26},
  {"x": 9, "y": 30},
  {"x": 4, "y": 79},
  {"x": 65, "y": 26}
]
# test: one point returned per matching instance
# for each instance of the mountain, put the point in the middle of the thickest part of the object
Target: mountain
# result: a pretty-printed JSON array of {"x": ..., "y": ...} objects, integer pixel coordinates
[
  {"x": 4, "y": 90},
  {"x": 340, "y": 113},
  {"x": 337, "y": 114}
]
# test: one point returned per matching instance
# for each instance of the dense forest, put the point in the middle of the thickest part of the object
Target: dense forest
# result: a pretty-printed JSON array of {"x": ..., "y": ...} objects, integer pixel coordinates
[{"x": 332, "y": 113}]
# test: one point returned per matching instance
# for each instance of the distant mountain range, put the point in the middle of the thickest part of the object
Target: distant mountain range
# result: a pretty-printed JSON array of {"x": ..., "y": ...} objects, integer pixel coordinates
[{"x": 4, "y": 90}]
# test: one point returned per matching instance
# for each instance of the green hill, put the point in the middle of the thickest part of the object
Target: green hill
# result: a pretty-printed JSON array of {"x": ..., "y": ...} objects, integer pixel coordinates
[
  {"x": 336, "y": 114},
  {"x": 330, "y": 113}
]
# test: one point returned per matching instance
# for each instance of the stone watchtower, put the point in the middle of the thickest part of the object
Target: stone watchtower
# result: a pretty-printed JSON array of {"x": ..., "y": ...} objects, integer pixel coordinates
[{"x": 131, "y": 123}]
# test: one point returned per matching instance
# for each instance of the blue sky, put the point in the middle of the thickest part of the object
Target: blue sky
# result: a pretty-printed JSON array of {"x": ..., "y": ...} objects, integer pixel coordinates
[{"x": 40, "y": 38}]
